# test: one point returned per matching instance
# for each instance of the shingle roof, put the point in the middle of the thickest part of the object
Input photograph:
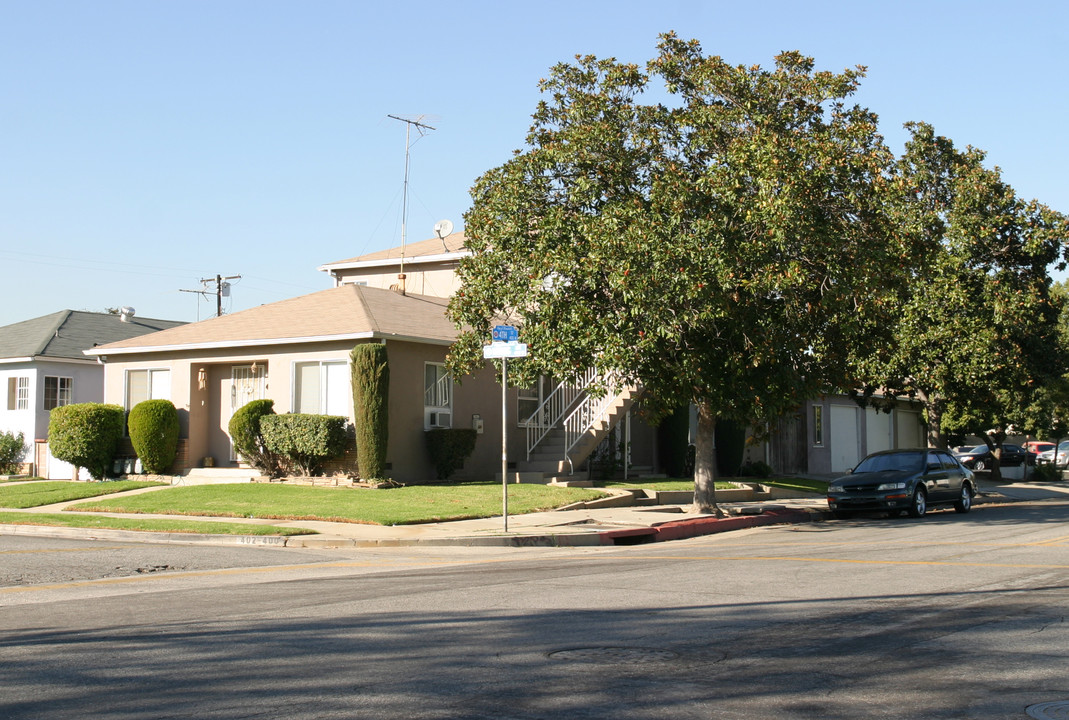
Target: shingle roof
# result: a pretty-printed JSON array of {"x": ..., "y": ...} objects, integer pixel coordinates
[
  {"x": 450, "y": 244},
  {"x": 68, "y": 333},
  {"x": 338, "y": 313}
]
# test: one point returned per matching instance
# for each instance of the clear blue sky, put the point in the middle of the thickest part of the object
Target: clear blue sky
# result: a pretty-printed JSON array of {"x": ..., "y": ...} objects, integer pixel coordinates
[{"x": 146, "y": 145}]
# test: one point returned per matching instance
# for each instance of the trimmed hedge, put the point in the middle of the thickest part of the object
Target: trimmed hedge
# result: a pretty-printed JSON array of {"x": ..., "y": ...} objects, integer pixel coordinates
[
  {"x": 12, "y": 450},
  {"x": 245, "y": 433},
  {"x": 153, "y": 426},
  {"x": 370, "y": 372},
  {"x": 86, "y": 435},
  {"x": 449, "y": 448},
  {"x": 306, "y": 440}
]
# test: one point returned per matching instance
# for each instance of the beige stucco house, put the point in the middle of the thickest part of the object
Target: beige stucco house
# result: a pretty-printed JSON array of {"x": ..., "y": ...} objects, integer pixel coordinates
[{"x": 296, "y": 353}]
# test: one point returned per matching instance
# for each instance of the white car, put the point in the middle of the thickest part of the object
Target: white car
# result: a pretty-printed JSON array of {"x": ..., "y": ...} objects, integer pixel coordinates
[{"x": 1063, "y": 455}]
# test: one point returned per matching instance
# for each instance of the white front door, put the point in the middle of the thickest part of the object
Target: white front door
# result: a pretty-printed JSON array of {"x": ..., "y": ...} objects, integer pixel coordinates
[{"x": 247, "y": 383}]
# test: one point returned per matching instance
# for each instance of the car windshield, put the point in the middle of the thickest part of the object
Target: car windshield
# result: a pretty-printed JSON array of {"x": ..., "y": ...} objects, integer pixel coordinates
[{"x": 899, "y": 462}]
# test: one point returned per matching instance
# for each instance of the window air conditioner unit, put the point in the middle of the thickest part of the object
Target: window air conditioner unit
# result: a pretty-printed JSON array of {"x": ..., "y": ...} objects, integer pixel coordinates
[{"x": 441, "y": 419}]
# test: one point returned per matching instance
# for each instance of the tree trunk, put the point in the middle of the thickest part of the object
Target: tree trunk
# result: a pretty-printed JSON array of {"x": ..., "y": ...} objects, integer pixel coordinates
[
  {"x": 705, "y": 463},
  {"x": 933, "y": 409},
  {"x": 994, "y": 444}
]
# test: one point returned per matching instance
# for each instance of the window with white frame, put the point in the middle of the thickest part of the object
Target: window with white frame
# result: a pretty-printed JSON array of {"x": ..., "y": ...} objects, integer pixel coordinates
[
  {"x": 529, "y": 399},
  {"x": 437, "y": 396},
  {"x": 148, "y": 384},
  {"x": 57, "y": 391},
  {"x": 18, "y": 393},
  {"x": 321, "y": 387}
]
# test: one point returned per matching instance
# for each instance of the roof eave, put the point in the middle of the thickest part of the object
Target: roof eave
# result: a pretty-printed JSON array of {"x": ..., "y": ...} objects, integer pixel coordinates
[
  {"x": 260, "y": 342},
  {"x": 388, "y": 262}
]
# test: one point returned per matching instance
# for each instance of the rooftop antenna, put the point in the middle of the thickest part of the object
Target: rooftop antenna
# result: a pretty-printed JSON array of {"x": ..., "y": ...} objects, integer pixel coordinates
[{"x": 422, "y": 129}]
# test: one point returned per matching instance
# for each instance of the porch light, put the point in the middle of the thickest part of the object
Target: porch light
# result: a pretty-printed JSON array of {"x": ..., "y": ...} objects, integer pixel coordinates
[{"x": 202, "y": 378}]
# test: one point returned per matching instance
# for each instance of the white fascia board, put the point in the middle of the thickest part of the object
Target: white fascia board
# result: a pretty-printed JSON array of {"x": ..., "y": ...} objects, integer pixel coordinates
[
  {"x": 417, "y": 259},
  {"x": 12, "y": 361},
  {"x": 230, "y": 344}
]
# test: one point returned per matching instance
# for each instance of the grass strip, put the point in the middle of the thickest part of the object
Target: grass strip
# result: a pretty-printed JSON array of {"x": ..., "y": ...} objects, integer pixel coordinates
[
  {"x": 810, "y": 485},
  {"x": 26, "y": 495},
  {"x": 387, "y": 506},
  {"x": 145, "y": 524},
  {"x": 817, "y": 487},
  {"x": 664, "y": 484}
]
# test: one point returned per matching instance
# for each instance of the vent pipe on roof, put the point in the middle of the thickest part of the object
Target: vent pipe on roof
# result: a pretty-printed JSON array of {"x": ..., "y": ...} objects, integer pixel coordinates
[{"x": 125, "y": 313}]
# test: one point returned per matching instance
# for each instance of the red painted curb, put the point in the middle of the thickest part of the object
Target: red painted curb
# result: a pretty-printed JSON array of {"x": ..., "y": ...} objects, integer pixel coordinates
[{"x": 682, "y": 529}]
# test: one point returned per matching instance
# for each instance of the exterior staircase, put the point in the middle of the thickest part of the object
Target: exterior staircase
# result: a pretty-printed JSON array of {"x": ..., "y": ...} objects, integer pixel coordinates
[{"x": 570, "y": 430}]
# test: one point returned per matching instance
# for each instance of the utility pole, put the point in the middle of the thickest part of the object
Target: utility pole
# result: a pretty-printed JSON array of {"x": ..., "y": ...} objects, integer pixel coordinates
[{"x": 221, "y": 288}]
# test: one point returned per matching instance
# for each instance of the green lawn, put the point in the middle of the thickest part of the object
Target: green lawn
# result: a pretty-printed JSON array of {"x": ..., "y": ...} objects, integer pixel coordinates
[
  {"x": 26, "y": 495},
  {"x": 145, "y": 524},
  {"x": 396, "y": 506}
]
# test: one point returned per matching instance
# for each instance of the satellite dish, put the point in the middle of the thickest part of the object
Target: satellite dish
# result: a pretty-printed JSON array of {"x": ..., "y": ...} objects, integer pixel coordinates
[{"x": 443, "y": 228}]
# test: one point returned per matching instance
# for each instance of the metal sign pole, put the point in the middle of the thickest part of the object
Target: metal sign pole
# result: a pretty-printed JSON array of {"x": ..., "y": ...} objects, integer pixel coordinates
[{"x": 504, "y": 444}]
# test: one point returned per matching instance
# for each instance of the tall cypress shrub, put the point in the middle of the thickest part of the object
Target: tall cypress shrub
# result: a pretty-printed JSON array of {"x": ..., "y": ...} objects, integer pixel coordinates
[{"x": 371, "y": 399}]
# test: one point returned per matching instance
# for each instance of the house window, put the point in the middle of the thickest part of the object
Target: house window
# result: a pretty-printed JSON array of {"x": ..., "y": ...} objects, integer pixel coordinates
[
  {"x": 321, "y": 387},
  {"x": 18, "y": 393},
  {"x": 529, "y": 399},
  {"x": 57, "y": 391},
  {"x": 437, "y": 396},
  {"x": 818, "y": 425},
  {"x": 144, "y": 385}
]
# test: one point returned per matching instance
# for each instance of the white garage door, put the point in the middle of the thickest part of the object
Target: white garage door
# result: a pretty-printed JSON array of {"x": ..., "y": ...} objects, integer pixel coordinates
[
  {"x": 910, "y": 430},
  {"x": 877, "y": 431},
  {"x": 844, "y": 438}
]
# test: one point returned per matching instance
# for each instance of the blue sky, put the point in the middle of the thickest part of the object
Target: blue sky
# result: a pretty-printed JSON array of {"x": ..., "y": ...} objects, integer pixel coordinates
[{"x": 146, "y": 145}]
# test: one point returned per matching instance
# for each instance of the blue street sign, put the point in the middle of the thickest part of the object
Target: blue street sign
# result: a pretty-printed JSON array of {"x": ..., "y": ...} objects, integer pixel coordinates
[{"x": 505, "y": 333}]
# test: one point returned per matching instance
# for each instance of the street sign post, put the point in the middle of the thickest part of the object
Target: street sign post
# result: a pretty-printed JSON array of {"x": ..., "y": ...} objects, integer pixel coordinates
[{"x": 505, "y": 345}]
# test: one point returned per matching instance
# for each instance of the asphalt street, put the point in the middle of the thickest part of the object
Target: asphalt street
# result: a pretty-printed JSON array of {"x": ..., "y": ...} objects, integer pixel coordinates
[{"x": 953, "y": 616}]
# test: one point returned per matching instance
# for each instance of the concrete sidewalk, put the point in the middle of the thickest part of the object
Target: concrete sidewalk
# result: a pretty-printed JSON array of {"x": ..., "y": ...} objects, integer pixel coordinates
[{"x": 570, "y": 527}]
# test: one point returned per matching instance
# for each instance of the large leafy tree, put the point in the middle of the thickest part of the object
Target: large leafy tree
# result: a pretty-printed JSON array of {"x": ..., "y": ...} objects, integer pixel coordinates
[
  {"x": 975, "y": 332},
  {"x": 725, "y": 247}
]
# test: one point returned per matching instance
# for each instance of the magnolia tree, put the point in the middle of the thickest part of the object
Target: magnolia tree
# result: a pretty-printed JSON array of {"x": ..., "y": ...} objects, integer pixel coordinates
[
  {"x": 974, "y": 334},
  {"x": 725, "y": 247}
]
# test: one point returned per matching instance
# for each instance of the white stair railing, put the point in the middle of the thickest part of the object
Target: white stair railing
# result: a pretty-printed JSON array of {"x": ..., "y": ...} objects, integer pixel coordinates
[
  {"x": 553, "y": 408},
  {"x": 589, "y": 412}
]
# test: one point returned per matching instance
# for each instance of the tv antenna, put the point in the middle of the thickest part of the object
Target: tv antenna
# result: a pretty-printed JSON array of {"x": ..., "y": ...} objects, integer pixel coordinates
[
  {"x": 422, "y": 129},
  {"x": 222, "y": 289}
]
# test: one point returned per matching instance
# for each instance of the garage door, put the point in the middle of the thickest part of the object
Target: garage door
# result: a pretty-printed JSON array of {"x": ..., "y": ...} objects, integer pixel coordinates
[
  {"x": 877, "y": 431},
  {"x": 844, "y": 438}
]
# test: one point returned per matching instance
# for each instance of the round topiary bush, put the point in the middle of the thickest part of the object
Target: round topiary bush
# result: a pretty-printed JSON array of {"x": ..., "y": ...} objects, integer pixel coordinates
[
  {"x": 247, "y": 436},
  {"x": 153, "y": 426},
  {"x": 86, "y": 435}
]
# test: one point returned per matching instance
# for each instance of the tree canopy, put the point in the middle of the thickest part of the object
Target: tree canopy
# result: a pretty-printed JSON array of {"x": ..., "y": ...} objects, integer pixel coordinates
[
  {"x": 974, "y": 333},
  {"x": 726, "y": 247}
]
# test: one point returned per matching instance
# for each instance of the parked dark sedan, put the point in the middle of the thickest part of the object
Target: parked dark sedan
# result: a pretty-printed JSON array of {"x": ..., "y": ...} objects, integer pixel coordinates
[
  {"x": 980, "y": 457},
  {"x": 896, "y": 481}
]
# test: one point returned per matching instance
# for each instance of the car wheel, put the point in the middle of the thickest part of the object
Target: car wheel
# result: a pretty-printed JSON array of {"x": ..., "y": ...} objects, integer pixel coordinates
[
  {"x": 964, "y": 503},
  {"x": 919, "y": 506},
  {"x": 980, "y": 465}
]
